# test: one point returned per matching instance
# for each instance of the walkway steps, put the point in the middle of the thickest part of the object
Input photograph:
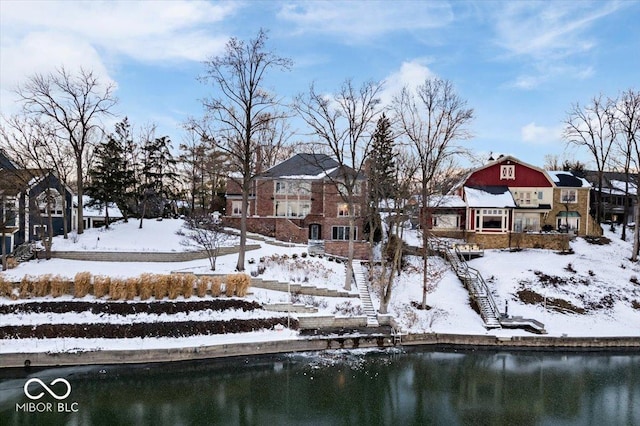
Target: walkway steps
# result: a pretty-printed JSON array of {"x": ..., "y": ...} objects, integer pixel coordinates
[{"x": 365, "y": 296}]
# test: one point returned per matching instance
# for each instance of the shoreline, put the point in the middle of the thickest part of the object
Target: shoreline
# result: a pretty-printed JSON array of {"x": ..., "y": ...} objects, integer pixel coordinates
[{"x": 316, "y": 343}]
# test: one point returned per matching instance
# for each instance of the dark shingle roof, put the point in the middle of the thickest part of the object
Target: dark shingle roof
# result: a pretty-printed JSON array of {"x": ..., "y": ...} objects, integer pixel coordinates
[
  {"x": 13, "y": 182},
  {"x": 302, "y": 165}
]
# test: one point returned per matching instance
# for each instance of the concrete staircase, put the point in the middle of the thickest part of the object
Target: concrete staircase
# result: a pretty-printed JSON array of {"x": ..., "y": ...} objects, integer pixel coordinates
[{"x": 365, "y": 296}]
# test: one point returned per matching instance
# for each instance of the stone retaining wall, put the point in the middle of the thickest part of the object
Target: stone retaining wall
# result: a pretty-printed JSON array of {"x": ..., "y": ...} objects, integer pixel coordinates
[
  {"x": 142, "y": 256},
  {"x": 41, "y": 359}
]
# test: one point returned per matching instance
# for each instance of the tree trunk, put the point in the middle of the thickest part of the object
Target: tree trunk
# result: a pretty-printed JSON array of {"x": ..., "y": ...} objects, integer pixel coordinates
[
  {"x": 243, "y": 225},
  {"x": 80, "y": 184}
]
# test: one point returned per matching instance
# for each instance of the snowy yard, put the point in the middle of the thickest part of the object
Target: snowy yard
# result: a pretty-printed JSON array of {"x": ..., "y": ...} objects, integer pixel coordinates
[{"x": 592, "y": 292}]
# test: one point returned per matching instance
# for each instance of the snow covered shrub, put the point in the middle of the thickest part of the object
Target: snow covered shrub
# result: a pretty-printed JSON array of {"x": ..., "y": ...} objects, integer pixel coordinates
[
  {"x": 348, "y": 309},
  {"x": 634, "y": 279},
  {"x": 59, "y": 286},
  {"x": 81, "y": 284},
  {"x": 160, "y": 286},
  {"x": 569, "y": 268},
  {"x": 145, "y": 286},
  {"x": 42, "y": 285},
  {"x": 101, "y": 285},
  {"x": 187, "y": 285},
  {"x": 635, "y": 304},
  {"x": 26, "y": 287}
]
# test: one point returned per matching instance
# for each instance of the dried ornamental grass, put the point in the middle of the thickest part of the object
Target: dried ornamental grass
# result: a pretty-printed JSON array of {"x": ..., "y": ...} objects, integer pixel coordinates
[
  {"x": 6, "y": 288},
  {"x": 101, "y": 284},
  {"x": 174, "y": 285},
  {"x": 26, "y": 287},
  {"x": 131, "y": 286},
  {"x": 160, "y": 286},
  {"x": 81, "y": 284},
  {"x": 216, "y": 286},
  {"x": 188, "y": 281},
  {"x": 243, "y": 283},
  {"x": 42, "y": 285},
  {"x": 202, "y": 286},
  {"x": 229, "y": 285},
  {"x": 117, "y": 289},
  {"x": 59, "y": 286},
  {"x": 146, "y": 286},
  {"x": 12, "y": 263}
]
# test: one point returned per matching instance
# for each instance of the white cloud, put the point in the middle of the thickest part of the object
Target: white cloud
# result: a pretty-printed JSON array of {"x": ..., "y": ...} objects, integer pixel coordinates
[
  {"x": 549, "y": 36},
  {"x": 540, "y": 135},
  {"x": 360, "y": 20},
  {"x": 39, "y": 36},
  {"x": 411, "y": 74}
]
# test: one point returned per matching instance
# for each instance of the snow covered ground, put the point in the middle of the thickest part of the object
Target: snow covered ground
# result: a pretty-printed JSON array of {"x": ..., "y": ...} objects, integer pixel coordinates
[{"x": 596, "y": 280}]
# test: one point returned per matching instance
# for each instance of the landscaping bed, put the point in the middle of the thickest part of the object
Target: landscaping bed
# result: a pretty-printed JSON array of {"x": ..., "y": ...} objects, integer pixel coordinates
[
  {"x": 156, "y": 329},
  {"x": 134, "y": 325}
]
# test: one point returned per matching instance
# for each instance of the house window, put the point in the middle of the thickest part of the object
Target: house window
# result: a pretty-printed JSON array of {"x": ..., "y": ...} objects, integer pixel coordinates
[
  {"x": 284, "y": 187},
  {"x": 292, "y": 208},
  {"x": 344, "y": 191},
  {"x": 343, "y": 210},
  {"x": 491, "y": 220},
  {"x": 51, "y": 202},
  {"x": 569, "y": 196},
  {"x": 342, "y": 233},
  {"x": 540, "y": 193},
  {"x": 8, "y": 213},
  {"x": 446, "y": 221},
  {"x": 525, "y": 198},
  {"x": 508, "y": 172},
  {"x": 568, "y": 221},
  {"x": 236, "y": 208},
  {"x": 40, "y": 231}
]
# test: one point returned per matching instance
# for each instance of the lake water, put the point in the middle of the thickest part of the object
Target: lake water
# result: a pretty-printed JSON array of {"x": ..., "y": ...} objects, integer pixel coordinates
[{"x": 391, "y": 387}]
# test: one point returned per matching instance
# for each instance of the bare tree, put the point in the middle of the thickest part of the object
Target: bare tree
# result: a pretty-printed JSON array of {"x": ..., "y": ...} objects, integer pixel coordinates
[
  {"x": 73, "y": 104},
  {"x": 343, "y": 123},
  {"x": 392, "y": 252},
  {"x": 204, "y": 233},
  {"x": 432, "y": 119},
  {"x": 593, "y": 127},
  {"x": 242, "y": 109},
  {"x": 627, "y": 118}
]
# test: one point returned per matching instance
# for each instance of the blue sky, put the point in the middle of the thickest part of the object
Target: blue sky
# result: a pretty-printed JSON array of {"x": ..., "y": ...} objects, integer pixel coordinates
[{"x": 519, "y": 64}]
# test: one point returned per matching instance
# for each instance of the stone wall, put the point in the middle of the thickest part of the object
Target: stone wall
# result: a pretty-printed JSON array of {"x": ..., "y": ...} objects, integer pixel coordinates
[
  {"x": 551, "y": 241},
  {"x": 361, "y": 249},
  {"x": 141, "y": 256}
]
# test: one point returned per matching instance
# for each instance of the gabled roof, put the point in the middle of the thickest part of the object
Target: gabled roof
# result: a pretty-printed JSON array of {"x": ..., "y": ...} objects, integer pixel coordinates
[
  {"x": 303, "y": 166},
  {"x": 5, "y": 162},
  {"x": 12, "y": 181}
]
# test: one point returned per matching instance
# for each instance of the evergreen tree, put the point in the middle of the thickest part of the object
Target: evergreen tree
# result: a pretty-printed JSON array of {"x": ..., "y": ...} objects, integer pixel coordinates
[
  {"x": 382, "y": 175},
  {"x": 110, "y": 177},
  {"x": 158, "y": 174},
  {"x": 382, "y": 168}
]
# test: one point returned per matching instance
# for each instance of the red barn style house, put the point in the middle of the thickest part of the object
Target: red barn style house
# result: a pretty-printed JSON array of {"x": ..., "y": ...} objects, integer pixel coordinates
[
  {"x": 509, "y": 203},
  {"x": 299, "y": 200}
]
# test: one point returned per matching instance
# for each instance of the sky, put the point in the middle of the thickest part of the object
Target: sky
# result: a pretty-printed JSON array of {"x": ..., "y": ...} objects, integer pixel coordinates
[{"x": 520, "y": 65}]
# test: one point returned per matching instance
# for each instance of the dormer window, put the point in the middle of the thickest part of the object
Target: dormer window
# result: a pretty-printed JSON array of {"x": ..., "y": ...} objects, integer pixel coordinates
[{"x": 508, "y": 172}]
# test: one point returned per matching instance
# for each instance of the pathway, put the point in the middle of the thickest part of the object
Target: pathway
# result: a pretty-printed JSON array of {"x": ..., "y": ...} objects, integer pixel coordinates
[{"x": 365, "y": 296}]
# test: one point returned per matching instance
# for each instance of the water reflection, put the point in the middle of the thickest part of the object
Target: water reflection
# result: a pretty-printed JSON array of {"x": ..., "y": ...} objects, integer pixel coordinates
[{"x": 339, "y": 387}]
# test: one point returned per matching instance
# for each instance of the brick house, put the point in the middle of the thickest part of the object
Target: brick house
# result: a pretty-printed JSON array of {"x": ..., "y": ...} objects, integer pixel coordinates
[
  {"x": 508, "y": 203},
  {"x": 300, "y": 200},
  {"x": 25, "y": 196}
]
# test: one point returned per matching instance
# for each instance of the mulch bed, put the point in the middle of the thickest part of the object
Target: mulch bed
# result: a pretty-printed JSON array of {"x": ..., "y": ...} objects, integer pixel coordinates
[
  {"x": 128, "y": 308},
  {"x": 148, "y": 329},
  {"x": 158, "y": 329}
]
